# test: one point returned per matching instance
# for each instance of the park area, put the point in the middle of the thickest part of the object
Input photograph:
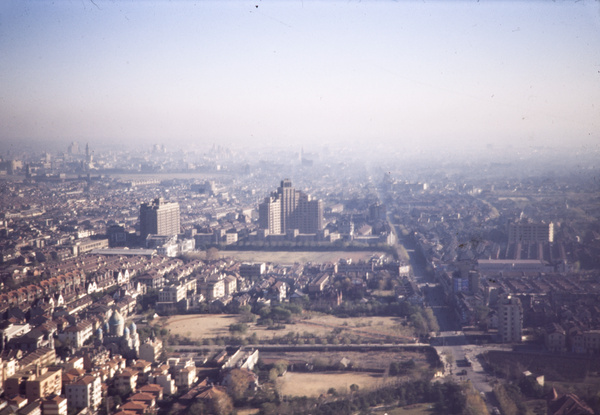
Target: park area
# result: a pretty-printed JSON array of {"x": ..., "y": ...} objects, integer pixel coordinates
[{"x": 209, "y": 326}]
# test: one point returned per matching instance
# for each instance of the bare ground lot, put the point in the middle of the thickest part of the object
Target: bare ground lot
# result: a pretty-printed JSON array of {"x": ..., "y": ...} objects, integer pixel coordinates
[
  {"x": 209, "y": 326},
  {"x": 416, "y": 409},
  {"x": 370, "y": 360},
  {"x": 315, "y": 384},
  {"x": 291, "y": 257}
]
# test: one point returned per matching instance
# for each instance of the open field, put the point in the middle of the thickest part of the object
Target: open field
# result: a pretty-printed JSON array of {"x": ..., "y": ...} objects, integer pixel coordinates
[
  {"x": 291, "y": 257},
  {"x": 416, "y": 409},
  {"x": 315, "y": 384},
  {"x": 202, "y": 326},
  {"x": 371, "y": 360},
  {"x": 199, "y": 326}
]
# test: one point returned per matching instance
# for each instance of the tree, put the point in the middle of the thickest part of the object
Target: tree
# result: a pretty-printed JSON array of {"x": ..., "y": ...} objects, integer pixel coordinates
[
  {"x": 431, "y": 320},
  {"x": 238, "y": 383},
  {"x": 238, "y": 328},
  {"x": 419, "y": 324},
  {"x": 198, "y": 408},
  {"x": 281, "y": 366},
  {"x": 212, "y": 254},
  {"x": 273, "y": 374},
  {"x": 221, "y": 405}
]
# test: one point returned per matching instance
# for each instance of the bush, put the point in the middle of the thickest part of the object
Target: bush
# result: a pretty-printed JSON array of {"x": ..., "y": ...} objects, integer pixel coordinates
[{"x": 238, "y": 328}]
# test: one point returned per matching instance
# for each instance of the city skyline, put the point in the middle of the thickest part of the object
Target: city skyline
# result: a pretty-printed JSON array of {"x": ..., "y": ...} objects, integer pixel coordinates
[{"x": 408, "y": 74}]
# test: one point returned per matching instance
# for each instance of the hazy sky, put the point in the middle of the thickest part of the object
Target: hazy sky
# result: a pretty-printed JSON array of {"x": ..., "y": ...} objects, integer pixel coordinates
[{"x": 401, "y": 72}]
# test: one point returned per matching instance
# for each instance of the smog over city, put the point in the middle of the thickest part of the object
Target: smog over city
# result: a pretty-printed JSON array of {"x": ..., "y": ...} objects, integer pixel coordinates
[{"x": 299, "y": 207}]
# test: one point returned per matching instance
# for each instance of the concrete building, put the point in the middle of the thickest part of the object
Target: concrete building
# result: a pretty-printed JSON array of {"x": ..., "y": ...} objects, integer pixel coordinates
[
  {"x": 252, "y": 270},
  {"x": 159, "y": 218},
  {"x": 290, "y": 209},
  {"x": 555, "y": 338},
  {"x": 85, "y": 392},
  {"x": 530, "y": 232},
  {"x": 44, "y": 386},
  {"x": 77, "y": 335},
  {"x": 151, "y": 350},
  {"x": 172, "y": 294},
  {"x": 185, "y": 377},
  {"x": 56, "y": 405},
  {"x": 510, "y": 319}
]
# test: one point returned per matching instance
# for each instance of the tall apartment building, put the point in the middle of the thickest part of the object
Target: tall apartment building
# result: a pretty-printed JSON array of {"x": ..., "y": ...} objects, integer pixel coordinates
[
  {"x": 159, "y": 218},
  {"x": 377, "y": 212},
  {"x": 85, "y": 392},
  {"x": 289, "y": 209},
  {"x": 530, "y": 232},
  {"x": 510, "y": 318}
]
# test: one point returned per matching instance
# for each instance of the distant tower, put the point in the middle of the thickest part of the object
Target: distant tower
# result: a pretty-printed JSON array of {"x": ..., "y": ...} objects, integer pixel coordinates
[
  {"x": 89, "y": 158},
  {"x": 159, "y": 218},
  {"x": 73, "y": 148}
]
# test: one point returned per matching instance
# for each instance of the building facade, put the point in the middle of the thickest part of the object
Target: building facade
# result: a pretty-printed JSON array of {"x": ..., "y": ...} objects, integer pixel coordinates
[
  {"x": 510, "y": 319},
  {"x": 159, "y": 218},
  {"x": 530, "y": 232},
  {"x": 85, "y": 392},
  {"x": 290, "y": 209}
]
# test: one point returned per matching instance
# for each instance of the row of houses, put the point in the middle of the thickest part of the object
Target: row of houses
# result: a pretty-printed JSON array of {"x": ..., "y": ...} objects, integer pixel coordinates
[{"x": 573, "y": 339}]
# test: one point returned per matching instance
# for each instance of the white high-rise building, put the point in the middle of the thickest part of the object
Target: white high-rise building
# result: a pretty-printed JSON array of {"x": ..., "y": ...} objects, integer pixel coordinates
[{"x": 510, "y": 318}]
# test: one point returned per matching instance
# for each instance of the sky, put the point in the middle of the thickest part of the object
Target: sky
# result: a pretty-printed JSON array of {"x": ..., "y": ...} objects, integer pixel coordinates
[{"x": 396, "y": 73}]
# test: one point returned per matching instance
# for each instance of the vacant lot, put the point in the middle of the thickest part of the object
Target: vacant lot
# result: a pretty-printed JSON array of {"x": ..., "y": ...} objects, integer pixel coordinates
[
  {"x": 371, "y": 360},
  {"x": 315, "y": 384},
  {"x": 208, "y": 326},
  {"x": 416, "y": 409},
  {"x": 291, "y": 257},
  {"x": 199, "y": 326}
]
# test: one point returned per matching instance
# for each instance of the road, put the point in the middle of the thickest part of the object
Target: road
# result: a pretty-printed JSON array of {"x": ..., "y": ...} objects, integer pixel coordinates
[
  {"x": 481, "y": 381},
  {"x": 434, "y": 294},
  {"x": 451, "y": 341}
]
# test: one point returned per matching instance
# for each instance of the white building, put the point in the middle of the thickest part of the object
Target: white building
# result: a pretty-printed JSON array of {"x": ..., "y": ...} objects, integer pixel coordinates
[
  {"x": 510, "y": 319},
  {"x": 85, "y": 392},
  {"x": 172, "y": 294},
  {"x": 77, "y": 335}
]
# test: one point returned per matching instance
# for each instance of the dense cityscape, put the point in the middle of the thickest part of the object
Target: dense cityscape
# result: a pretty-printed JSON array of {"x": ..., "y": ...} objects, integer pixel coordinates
[{"x": 286, "y": 280}]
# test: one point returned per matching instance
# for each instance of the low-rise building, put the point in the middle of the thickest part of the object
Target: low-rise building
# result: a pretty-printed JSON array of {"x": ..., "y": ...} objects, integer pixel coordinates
[
  {"x": 56, "y": 405},
  {"x": 555, "y": 338},
  {"x": 185, "y": 377}
]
